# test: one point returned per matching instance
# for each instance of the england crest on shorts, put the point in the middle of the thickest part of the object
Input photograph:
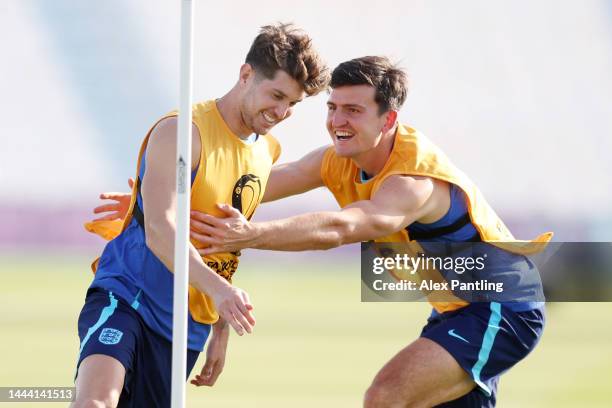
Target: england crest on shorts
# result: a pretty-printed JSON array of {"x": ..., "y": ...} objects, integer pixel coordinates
[{"x": 110, "y": 336}]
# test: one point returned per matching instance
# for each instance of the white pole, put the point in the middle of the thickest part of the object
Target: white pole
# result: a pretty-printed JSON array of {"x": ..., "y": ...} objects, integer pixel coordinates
[{"x": 183, "y": 188}]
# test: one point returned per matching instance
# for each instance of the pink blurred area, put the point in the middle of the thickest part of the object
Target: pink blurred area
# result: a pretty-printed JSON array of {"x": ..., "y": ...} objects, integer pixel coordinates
[{"x": 30, "y": 226}]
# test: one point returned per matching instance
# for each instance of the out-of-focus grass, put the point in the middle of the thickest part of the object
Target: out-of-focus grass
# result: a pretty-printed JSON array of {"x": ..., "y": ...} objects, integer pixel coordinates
[{"x": 315, "y": 343}]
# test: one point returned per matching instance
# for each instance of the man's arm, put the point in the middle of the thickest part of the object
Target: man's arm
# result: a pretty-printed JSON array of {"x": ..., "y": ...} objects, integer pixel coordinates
[
  {"x": 159, "y": 197},
  {"x": 215, "y": 355},
  {"x": 297, "y": 177},
  {"x": 400, "y": 201}
]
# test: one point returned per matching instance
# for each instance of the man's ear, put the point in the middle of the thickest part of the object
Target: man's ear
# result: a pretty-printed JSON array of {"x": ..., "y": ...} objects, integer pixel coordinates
[
  {"x": 246, "y": 72},
  {"x": 391, "y": 118}
]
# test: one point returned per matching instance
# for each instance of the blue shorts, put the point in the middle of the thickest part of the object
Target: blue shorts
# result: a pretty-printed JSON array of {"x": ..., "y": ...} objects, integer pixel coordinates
[
  {"x": 486, "y": 339},
  {"x": 109, "y": 325}
]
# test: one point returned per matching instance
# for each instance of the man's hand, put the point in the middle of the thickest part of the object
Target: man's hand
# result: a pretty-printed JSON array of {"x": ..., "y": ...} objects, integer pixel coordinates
[
  {"x": 232, "y": 233},
  {"x": 215, "y": 356},
  {"x": 234, "y": 307},
  {"x": 117, "y": 210}
]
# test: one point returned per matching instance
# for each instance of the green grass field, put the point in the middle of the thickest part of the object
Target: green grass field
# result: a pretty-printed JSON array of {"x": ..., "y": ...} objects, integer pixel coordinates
[{"x": 315, "y": 343}]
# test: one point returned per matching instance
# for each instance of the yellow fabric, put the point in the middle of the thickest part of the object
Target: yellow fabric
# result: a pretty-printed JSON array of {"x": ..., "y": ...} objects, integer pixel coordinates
[
  {"x": 230, "y": 171},
  {"x": 106, "y": 229},
  {"x": 413, "y": 154}
]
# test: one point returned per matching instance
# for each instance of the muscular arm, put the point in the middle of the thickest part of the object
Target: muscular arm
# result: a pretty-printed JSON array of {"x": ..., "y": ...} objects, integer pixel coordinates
[
  {"x": 159, "y": 199},
  {"x": 297, "y": 177},
  {"x": 363, "y": 220},
  {"x": 400, "y": 201}
]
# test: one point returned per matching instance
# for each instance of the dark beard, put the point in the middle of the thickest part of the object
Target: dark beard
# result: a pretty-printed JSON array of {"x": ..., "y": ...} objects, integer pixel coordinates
[{"x": 248, "y": 121}]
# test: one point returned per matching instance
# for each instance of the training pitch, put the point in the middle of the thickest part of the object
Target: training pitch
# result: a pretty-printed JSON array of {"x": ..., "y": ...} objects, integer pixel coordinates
[{"x": 315, "y": 343}]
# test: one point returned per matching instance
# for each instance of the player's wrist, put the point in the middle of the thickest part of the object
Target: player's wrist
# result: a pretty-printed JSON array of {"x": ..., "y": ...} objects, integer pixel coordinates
[
  {"x": 258, "y": 231},
  {"x": 220, "y": 328},
  {"x": 210, "y": 282},
  {"x": 218, "y": 286}
]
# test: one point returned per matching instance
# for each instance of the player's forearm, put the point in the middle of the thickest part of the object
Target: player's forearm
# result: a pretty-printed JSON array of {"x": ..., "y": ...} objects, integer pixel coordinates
[
  {"x": 322, "y": 230},
  {"x": 220, "y": 330},
  {"x": 160, "y": 238}
]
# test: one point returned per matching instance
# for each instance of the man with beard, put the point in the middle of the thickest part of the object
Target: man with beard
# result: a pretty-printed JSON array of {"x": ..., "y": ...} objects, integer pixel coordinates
[
  {"x": 125, "y": 326},
  {"x": 394, "y": 185}
]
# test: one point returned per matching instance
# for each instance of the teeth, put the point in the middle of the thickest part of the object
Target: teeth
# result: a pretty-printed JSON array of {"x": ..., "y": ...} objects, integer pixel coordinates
[
  {"x": 342, "y": 135},
  {"x": 268, "y": 118}
]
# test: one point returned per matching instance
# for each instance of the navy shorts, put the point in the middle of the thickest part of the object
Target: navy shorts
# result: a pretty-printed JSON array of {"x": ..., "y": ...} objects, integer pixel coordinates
[
  {"x": 109, "y": 325},
  {"x": 486, "y": 339}
]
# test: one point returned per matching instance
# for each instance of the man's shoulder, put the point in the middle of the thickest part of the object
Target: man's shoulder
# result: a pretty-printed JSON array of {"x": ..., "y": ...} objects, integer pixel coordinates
[
  {"x": 203, "y": 107},
  {"x": 408, "y": 135}
]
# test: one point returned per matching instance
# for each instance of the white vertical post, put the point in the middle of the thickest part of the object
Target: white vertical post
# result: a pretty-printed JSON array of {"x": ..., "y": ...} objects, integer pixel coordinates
[{"x": 183, "y": 187}]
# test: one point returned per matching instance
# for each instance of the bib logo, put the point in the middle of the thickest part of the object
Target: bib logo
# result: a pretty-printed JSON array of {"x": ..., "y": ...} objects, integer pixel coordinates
[
  {"x": 110, "y": 336},
  {"x": 247, "y": 194},
  {"x": 225, "y": 269}
]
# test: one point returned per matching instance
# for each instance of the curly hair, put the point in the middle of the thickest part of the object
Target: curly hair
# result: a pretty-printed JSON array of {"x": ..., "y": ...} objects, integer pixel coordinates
[{"x": 285, "y": 47}]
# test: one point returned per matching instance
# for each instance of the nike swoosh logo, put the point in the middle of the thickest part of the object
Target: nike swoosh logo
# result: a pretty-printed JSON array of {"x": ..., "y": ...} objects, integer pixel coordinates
[{"x": 452, "y": 333}]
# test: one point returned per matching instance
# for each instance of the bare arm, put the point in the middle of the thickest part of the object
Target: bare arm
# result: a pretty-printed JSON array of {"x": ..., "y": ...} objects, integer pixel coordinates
[
  {"x": 159, "y": 197},
  {"x": 215, "y": 356},
  {"x": 297, "y": 177},
  {"x": 363, "y": 220}
]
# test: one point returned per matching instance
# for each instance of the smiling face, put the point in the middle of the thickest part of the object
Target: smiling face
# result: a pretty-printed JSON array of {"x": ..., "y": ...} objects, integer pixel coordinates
[
  {"x": 353, "y": 120},
  {"x": 267, "y": 102}
]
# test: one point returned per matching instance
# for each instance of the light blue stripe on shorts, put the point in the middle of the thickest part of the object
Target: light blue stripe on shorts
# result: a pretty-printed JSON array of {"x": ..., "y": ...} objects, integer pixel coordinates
[
  {"x": 487, "y": 345},
  {"x": 106, "y": 313}
]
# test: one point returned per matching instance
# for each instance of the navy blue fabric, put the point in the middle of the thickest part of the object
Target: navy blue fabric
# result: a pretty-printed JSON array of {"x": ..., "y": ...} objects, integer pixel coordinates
[
  {"x": 132, "y": 271},
  {"x": 463, "y": 334},
  {"x": 146, "y": 356},
  {"x": 458, "y": 208},
  {"x": 518, "y": 272}
]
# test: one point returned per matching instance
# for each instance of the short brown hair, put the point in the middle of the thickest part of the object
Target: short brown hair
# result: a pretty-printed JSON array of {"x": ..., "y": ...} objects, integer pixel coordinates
[
  {"x": 283, "y": 46},
  {"x": 390, "y": 82}
]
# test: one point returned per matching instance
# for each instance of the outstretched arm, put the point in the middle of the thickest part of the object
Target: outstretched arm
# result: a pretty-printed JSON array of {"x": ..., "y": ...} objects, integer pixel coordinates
[
  {"x": 159, "y": 199},
  {"x": 399, "y": 201},
  {"x": 297, "y": 177}
]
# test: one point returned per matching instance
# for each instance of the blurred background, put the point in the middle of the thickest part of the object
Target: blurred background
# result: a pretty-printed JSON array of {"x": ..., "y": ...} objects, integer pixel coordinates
[{"x": 517, "y": 93}]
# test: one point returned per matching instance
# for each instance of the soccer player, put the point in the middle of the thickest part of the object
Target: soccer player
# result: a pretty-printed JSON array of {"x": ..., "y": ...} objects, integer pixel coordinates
[
  {"x": 125, "y": 326},
  {"x": 394, "y": 185}
]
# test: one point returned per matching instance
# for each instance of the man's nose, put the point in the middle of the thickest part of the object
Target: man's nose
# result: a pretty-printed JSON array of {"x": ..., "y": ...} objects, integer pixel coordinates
[
  {"x": 282, "y": 111},
  {"x": 338, "y": 119}
]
